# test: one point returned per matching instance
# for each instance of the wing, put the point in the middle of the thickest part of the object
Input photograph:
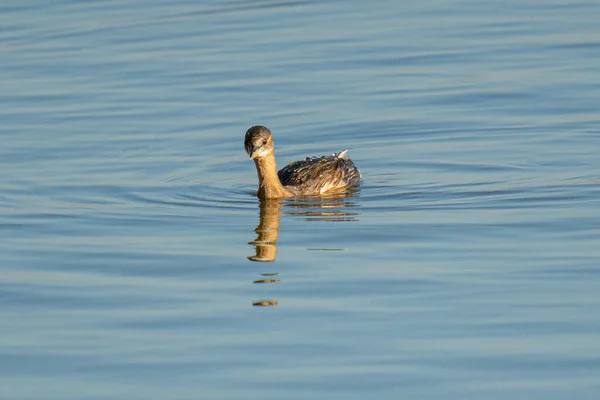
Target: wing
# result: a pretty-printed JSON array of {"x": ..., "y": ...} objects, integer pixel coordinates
[{"x": 317, "y": 175}]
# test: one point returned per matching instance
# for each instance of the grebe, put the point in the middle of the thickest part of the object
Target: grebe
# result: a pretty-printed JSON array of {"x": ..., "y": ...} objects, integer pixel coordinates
[{"x": 313, "y": 176}]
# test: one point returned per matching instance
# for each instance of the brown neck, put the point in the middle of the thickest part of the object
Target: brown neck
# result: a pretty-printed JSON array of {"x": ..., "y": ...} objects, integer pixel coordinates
[{"x": 269, "y": 185}]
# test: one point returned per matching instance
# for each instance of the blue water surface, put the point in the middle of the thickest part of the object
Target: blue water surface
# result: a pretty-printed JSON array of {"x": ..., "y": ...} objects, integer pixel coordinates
[{"x": 467, "y": 266}]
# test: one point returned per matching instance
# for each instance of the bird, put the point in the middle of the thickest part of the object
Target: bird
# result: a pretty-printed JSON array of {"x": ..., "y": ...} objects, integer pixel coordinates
[{"x": 313, "y": 176}]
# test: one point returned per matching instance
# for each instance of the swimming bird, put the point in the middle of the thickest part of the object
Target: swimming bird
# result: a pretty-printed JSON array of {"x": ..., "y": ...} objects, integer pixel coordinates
[{"x": 313, "y": 176}]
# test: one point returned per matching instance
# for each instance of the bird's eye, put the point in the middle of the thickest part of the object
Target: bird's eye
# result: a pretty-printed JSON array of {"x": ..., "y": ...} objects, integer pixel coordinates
[{"x": 264, "y": 141}]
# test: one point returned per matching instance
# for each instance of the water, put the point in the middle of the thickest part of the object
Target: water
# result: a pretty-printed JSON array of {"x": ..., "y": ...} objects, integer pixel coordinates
[{"x": 466, "y": 266}]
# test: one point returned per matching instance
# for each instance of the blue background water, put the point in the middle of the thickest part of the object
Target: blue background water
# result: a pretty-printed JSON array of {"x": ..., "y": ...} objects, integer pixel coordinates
[{"x": 466, "y": 267}]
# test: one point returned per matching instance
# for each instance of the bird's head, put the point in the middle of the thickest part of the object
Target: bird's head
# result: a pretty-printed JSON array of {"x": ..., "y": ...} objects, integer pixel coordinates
[{"x": 258, "y": 142}]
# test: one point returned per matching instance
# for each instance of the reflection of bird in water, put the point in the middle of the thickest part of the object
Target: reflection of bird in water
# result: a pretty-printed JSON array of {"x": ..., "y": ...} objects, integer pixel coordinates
[
  {"x": 265, "y": 243},
  {"x": 326, "y": 209},
  {"x": 267, "y": 230},
  {"x": 313, "y": 176}
]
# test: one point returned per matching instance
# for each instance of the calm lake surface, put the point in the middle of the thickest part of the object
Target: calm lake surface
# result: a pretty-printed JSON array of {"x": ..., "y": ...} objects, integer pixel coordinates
[{"x": 133, "y": 250}]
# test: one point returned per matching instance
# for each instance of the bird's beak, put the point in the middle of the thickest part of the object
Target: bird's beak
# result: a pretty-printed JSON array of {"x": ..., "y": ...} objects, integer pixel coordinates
[
  {"x": 254, "y": 152},
  {"x": 257, "y": 151}
]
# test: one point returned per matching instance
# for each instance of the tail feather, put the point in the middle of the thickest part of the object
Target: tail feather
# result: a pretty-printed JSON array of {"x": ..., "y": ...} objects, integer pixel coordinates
[{"x": 342, "y": 153}]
